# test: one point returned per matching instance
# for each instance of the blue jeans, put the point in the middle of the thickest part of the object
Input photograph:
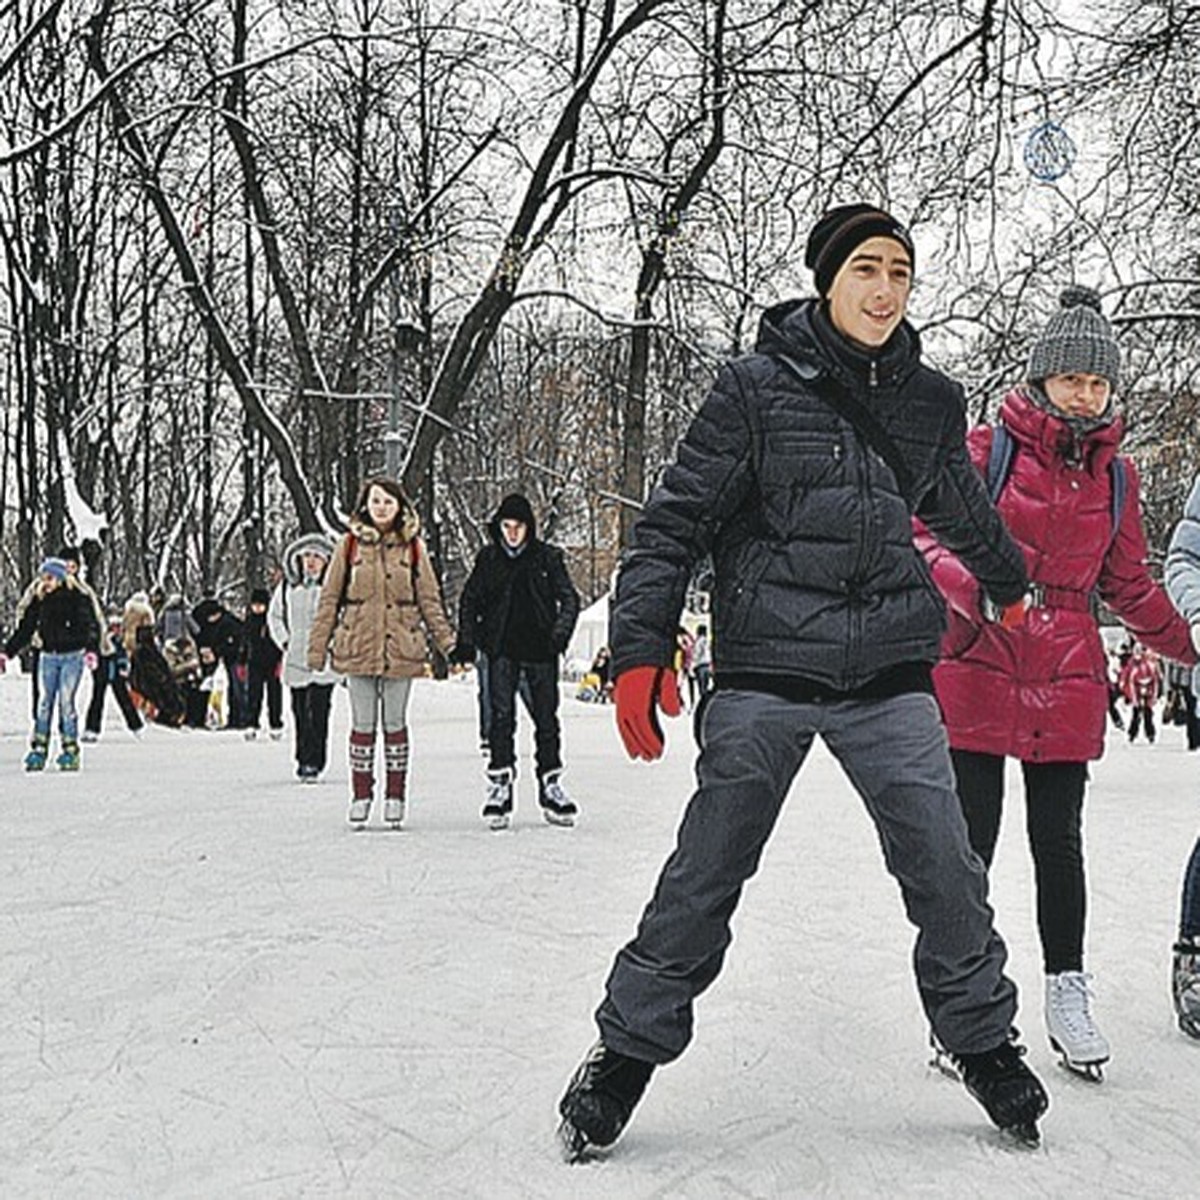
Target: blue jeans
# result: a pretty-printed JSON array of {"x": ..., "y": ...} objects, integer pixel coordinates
[{"x": 58, "y": 679}]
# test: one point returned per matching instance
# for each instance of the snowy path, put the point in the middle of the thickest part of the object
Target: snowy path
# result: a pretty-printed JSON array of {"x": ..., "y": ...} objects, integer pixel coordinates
[{"x": 211, "y": 987}]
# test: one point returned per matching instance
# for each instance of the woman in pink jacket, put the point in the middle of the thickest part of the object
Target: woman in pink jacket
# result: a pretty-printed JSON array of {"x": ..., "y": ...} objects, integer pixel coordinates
[
  {"x": 1139, "y": 681},
  {"x": 1031, "y": 683}
]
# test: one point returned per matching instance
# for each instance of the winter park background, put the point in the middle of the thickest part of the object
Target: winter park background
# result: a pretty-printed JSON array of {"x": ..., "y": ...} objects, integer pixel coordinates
[{"x": 212, "y": 987}]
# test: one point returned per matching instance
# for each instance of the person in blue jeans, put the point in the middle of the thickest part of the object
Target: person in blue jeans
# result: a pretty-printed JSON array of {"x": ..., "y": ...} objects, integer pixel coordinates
[
  {"x": 1182, "y": 579},
  {"x": 64, "y": 619}
]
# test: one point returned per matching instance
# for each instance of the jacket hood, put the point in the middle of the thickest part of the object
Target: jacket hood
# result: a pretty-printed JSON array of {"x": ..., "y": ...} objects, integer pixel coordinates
[
  {"x": 514, "y": 507},
  {"x": 802, "y": 330},
  {"x": 293, "y": 569},
  {"x": 1049, "y": 436}
]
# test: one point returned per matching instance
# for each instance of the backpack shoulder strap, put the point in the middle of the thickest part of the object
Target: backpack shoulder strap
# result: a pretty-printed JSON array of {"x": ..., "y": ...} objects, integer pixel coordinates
[
  {"x": 1119, "y": 487},
  {"x": 999, "y": 461}
]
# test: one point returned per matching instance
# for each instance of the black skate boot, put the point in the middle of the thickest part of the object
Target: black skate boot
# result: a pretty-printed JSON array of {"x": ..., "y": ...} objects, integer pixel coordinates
[
  {"x": 497, "y": 808},
  {"x": 557, "y": 806},
  {"x": 1185, "y": 986},
  {"x": 599, "y": 1100},
  {"x": 1009, "y": 1091}
]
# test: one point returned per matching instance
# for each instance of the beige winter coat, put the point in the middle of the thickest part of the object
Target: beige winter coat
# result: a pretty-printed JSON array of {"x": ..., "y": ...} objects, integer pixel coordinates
[{"x": 370, "y": 615}]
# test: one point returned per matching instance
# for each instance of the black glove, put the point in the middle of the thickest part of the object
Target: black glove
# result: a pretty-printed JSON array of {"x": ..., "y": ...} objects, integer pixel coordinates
[{"x": 462, "y": 655}]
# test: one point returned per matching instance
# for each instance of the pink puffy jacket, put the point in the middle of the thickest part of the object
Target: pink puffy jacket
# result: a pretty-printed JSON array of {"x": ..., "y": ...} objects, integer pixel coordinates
[{"x": 1039, "y": 692}]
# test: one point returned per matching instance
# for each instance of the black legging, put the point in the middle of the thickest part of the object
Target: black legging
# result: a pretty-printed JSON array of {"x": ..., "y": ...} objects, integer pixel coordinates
[{"x": 1053, "y": 820}]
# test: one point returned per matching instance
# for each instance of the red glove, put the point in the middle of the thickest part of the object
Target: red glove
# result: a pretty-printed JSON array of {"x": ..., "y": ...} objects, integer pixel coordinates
[
  {"x": 1013, "y": 615},
  {"x": 639, "y": 693}
]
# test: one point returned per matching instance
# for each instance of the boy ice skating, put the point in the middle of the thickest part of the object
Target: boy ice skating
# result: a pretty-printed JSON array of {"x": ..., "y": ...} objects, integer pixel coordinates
[
  {"x": 520, "y": 607},
  {"x": 64, "y": 619},
  {"x": 1182, "y": 578},
  {"x": 800, "y": 475}
]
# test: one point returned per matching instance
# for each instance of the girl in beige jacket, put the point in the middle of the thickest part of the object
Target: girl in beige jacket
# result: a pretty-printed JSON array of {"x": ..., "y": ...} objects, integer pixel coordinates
[{"x": 379, "y": 599}]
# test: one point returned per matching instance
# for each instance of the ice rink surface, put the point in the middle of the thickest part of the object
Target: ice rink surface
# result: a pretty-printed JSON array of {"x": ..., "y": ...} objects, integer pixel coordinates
[{"x": 213, "y": 987}]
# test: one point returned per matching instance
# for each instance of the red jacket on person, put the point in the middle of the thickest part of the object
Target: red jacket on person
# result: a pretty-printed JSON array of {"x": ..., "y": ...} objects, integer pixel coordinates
[
  {"x": 1039, "y": 691},
  {"x": 1140, "y": 680}
]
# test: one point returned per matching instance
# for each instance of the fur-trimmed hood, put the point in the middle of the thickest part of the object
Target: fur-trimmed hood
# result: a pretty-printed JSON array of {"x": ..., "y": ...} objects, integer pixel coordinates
[{"x": 293, "y": 569}]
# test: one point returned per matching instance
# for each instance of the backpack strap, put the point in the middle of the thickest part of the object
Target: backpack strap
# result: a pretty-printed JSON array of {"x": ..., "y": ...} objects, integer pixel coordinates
[
  {"x": 999, "y": 461},
  {"x": 1119, "y": 489}
]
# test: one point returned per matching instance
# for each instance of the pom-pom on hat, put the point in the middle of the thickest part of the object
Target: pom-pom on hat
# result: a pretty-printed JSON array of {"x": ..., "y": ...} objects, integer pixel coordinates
[
  {"x": 1077, "y": 340},
  {"x": 55, "y": 568},
  {"x": 841, "y": 230}
]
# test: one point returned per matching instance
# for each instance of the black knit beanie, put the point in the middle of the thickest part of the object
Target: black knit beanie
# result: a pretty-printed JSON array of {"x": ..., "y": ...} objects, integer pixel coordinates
[{"x": 836, "y": 235}]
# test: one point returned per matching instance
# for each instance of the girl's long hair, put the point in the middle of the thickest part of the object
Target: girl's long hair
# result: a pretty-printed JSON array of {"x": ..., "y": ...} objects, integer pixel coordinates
[{"x": 394, "y": 490}]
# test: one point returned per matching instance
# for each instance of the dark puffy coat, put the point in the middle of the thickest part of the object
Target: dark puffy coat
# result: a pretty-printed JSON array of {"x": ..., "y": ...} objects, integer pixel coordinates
[
  {"x": 151, "y": 678},
  {"x": 64, "y": 620},
  {"x": 1040, "y": 692},
  {"x": 816, "y": 575},
  {"x": 261, "y": 652},
  {"x": 539, "y": 574},
  {"x": 220, "y": 631}
]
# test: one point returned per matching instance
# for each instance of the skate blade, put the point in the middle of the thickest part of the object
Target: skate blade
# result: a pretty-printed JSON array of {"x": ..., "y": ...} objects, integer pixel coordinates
[
  {"x": 944, "y": 1065},
  {"x": 1025, "y": 1136},
  {"x": 574, "y": 1144},
  {"x": 1092, "y": 1072},
  {"x": 498, "y": 823},
  {"x": 565, "y": 821}
]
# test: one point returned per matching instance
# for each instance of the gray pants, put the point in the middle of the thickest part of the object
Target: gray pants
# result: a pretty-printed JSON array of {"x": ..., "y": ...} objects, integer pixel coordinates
[
  {"x": 375, "y": 699},
  {"x": 751, "y": 747}
]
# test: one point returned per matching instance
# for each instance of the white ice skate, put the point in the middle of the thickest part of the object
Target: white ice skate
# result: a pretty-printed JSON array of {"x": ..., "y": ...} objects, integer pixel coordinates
[
  {"x": 393, "y": 812},
  {"x": 360, "y": 811},
  {"x": 1069, "y": 1023}
]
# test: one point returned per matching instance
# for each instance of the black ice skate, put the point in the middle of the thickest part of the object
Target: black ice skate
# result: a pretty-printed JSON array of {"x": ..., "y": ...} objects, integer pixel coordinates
[
  {"x": 557, "y": 806},
  {"x": 599, "y": 1100},
  {"x": 1011, "y": 1094},
  {"x": 1185, "y": 986},
  {"x": 497, "y": 808}
]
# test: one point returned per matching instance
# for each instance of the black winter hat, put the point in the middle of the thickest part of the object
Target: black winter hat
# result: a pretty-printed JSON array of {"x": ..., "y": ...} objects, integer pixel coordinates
[
  {"x": 1077, "y": 340},
  {"x": 514, "y": 507},
  {"x": 260, "y": 596},
  {"x": 834, "y": 238}
]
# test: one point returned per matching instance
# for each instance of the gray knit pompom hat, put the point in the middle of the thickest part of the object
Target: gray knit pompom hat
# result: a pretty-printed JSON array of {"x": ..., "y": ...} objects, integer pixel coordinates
[{"x": 1077, "y": 340}]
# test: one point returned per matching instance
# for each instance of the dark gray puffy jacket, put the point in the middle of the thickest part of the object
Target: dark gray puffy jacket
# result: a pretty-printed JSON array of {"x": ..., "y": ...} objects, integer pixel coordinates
[{"x": 816, "y": 575}]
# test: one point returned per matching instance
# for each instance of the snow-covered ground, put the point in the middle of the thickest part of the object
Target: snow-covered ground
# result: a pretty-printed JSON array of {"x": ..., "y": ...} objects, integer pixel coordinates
[{"x": 212, "y": 987}]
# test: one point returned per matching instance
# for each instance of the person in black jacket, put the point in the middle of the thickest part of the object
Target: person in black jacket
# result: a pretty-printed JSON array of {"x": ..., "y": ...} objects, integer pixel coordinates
[
  {"x": 221, "y": 632},
  {"x": 63, "y": 617},
  {"x": 264, "y": 662},
  {"x": 800, "y": 476},
  {"x": 519, "y": 607}
]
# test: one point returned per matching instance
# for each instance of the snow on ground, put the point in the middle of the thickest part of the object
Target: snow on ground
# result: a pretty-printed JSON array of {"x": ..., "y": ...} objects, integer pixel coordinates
[{"x": 212, "y": 987}]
